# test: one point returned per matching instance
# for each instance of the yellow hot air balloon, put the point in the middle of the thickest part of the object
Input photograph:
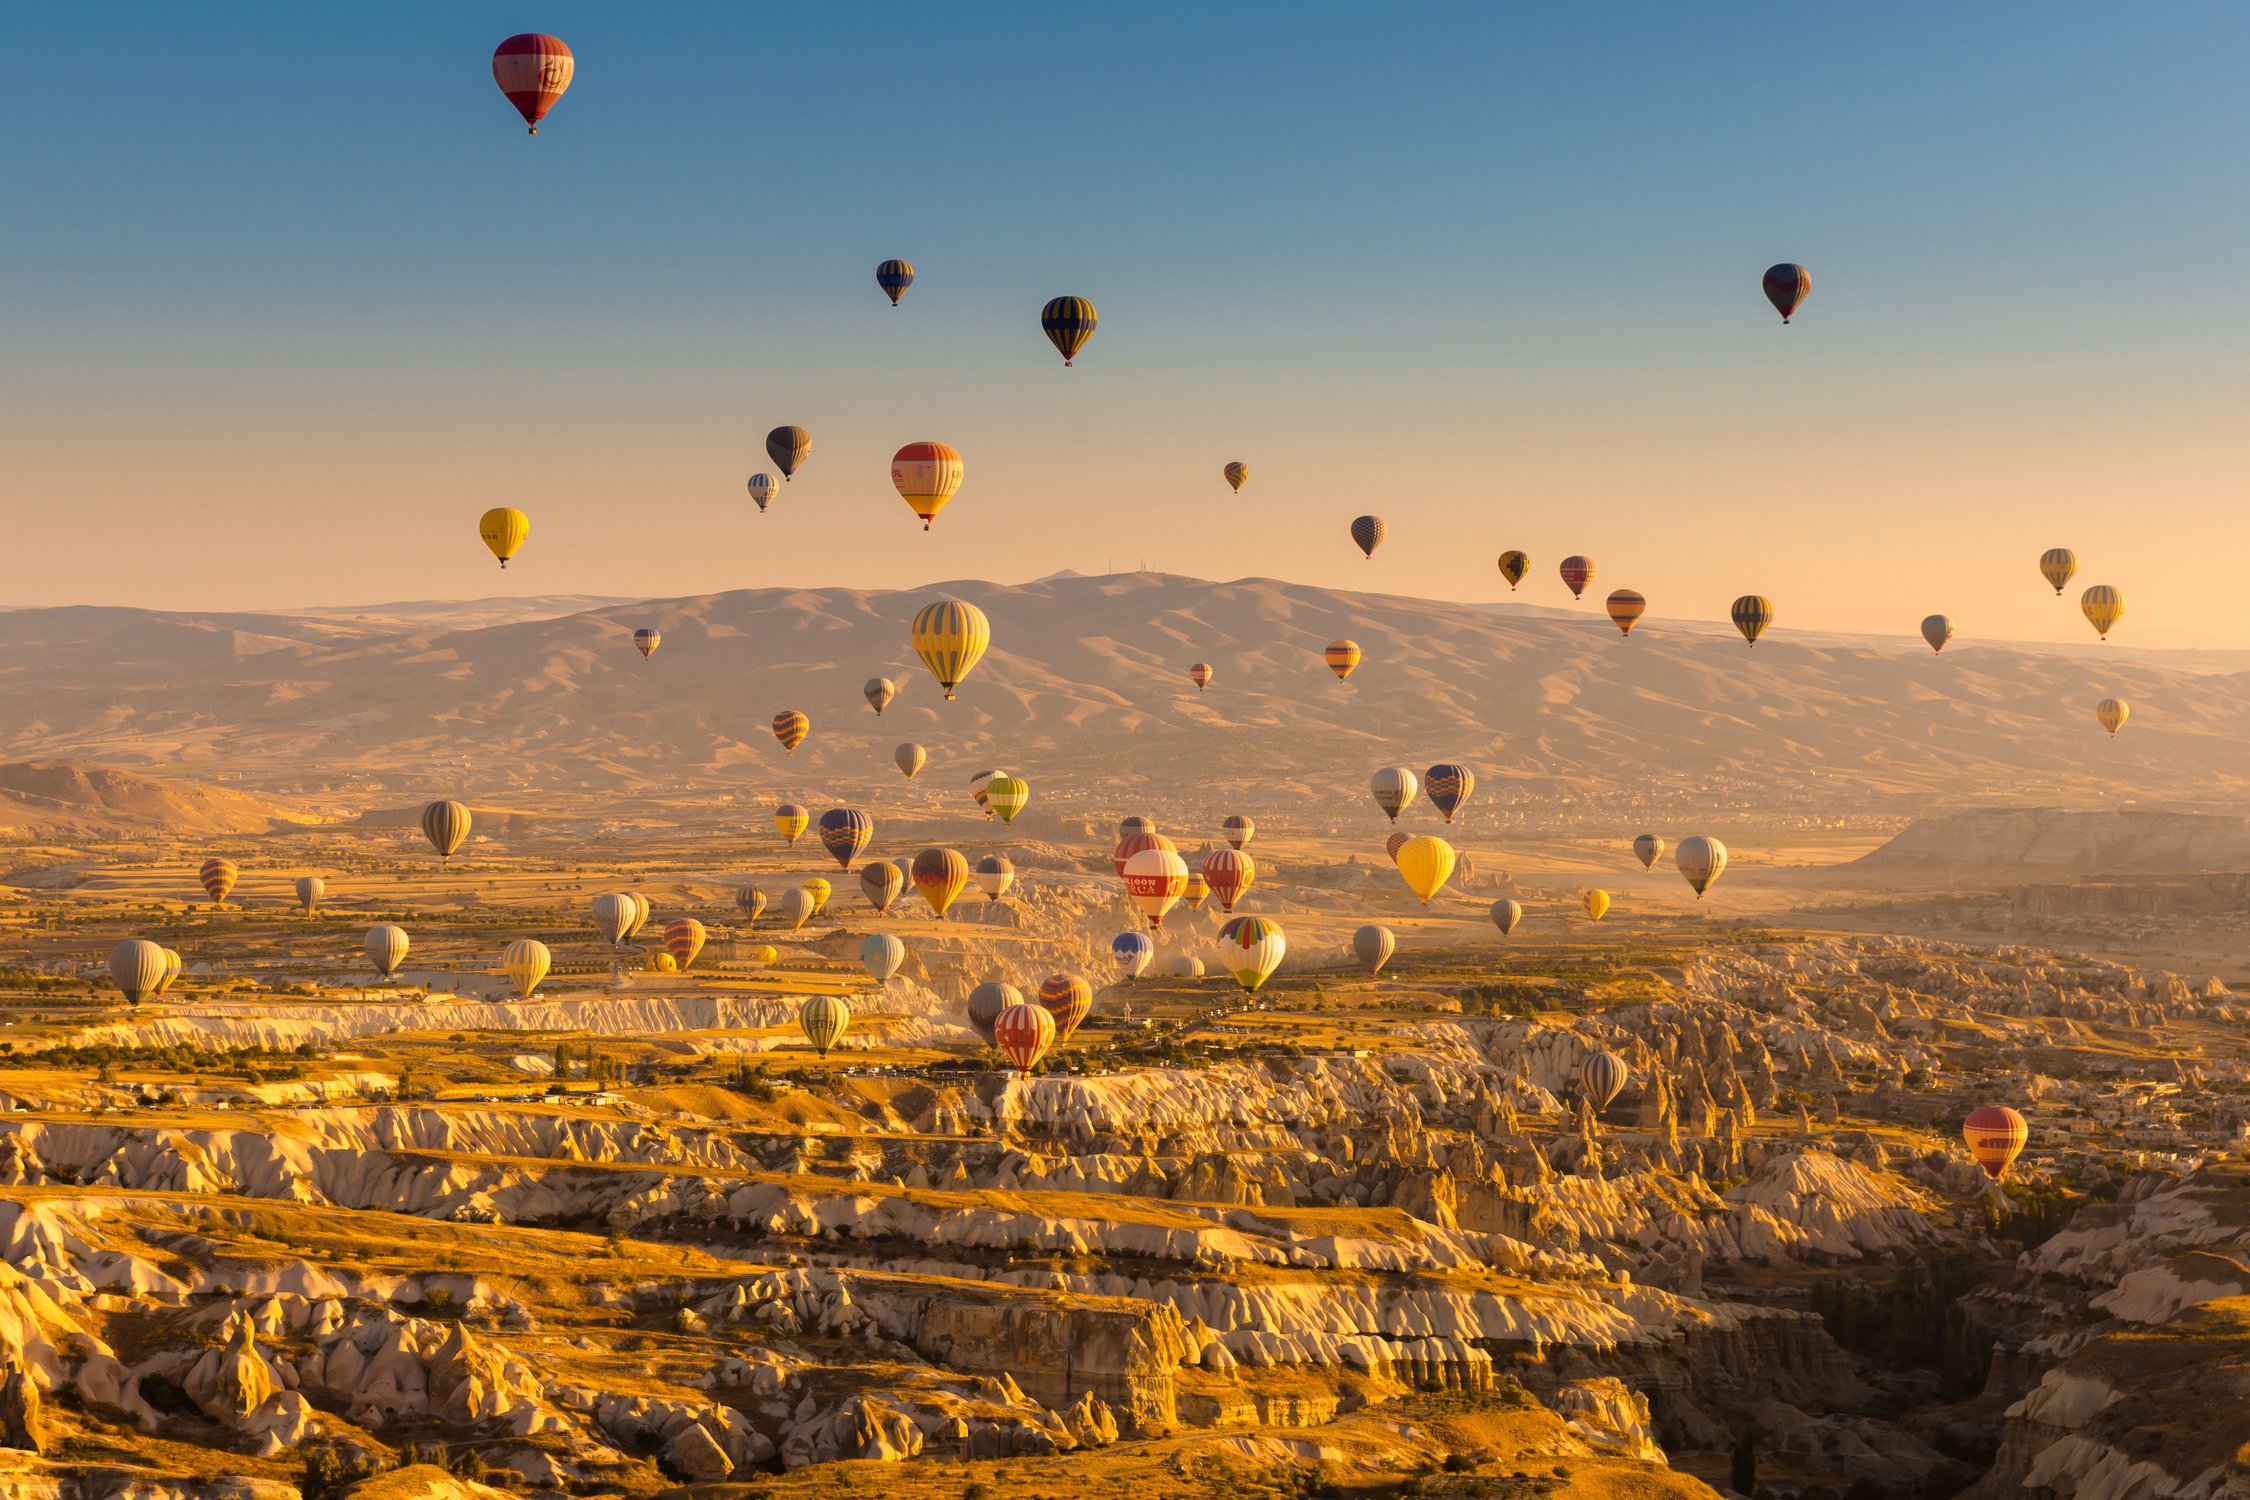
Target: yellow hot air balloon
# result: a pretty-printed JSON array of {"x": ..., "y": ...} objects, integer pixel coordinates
[
  {"x": 1342, "y": 656},
  {"x": 1236, "y": 473},
  {"x": 822, "y": 1019},
  {"x": 2058, "y": 565},
  {"x": 504, "y": 529},
  {"x": 173, "y": 963},
  {"x": 951, "y": 638},
  {"x": 1427, "y": 864},
  {"x": 1596, "y": 903},
  {"x": 525, "y": 961},
  {"x": 925, "y": 476},
  {"x": 790, "y": 821},
  {"x": 820, "y": 890},
  {"x": 659, "y": 961},
  {"x": 2104, "y": 607},
  {"x": 2112, "y": 713}
]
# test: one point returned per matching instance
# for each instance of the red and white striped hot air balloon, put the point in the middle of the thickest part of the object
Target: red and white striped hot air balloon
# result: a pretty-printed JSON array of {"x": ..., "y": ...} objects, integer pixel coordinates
[
  {"x": 1229, "y": 873},
  {"x": 532, "y": 69},
  {"x": 1023, "y": 1033}
]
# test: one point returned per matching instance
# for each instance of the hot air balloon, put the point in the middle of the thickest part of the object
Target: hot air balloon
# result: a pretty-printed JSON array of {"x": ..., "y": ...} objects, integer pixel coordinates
[
  {"x": 910, "y": 758},
  {"x": 925, "y": 475},
  {"x": 1996, "y": 1136},
  {"x": 1229, "y": 872},
  {"x": 532, "y": 69},
  {"x": 1069, "y": 322},
  {"x": 791, "y": 821},
  {"x": 763, "y": 487},
  {"x": 880, "y": 882},
  {"x": 642, "y": 911},
  {"x": 1374, "y": 945},
  {"x": 1135, "y": 823},
  {"x": 1368, "y": 532},
  {"x": 504, "y": 529},
  {"x": 1426, "y": 864},
  {"x": 218, "y": 877},
  {"x": 1023, "y": 1033},
  {"x": 761, "y": 953},
  {"x": 1577, "y": 572},
  {"x": 751, "y": 902},
  {"x": 881, "y": 955},
  {"x": 1200, "y": 675},
  {"x": 1342, "y": 657},
  {"x": 1238, "y": 829},
  {"x": 939, "y": 875},
  {"x": 822, "y": 1018},
  {"x": 994, "y": 874},
  {"x": 788, "y": 447},
  {"x": 1646, "y": 848},
  {"x": 1448, "y": 786},
  {"x": 1394, "y": 843},
  {"x": 894, "y": 277},
  {"x": 2111, "y": 714},
  {"x": 1505, "y": 916},
  {"x": 657, "y": 961},
  {"x": 1198, "y": 889},
  {"x": 790, "y": 727},
  {"x": 1006, "y": 795},
  {"x": 683, "y": 939},
  {"x": 820, "y": 890},
  {"x": 1236, "y": 473},
  {"x": 1937, "y": 630},
  {"x": 525, "y": 961},
  {"x": 310, "y": 888},
  {"x": 1132, "y": 951},
  {"x": 1601, "y": 1078},
  {"x": 646, "y": 641},
  {"x": 950, "y": 637},
  {"x": 2058, "y": 565},
  {"x": 173, "y": 965},
  {"x": 1513, "y": 565},
  {"x": 2104, "y": 606},
  {"x": 614, "y": 916},
  {"x": 986, "y": 1002},
  {"x": 1251, "y": 948},
  {"x": 977, "y": 794},
  {"x": 844, "y": 832},
  {"x": 1702, "y": 860},
  {"x": 386, "y": 947},
  {"x": 1155, "y": 879},
  {"x": 1185, "y": 965},
  {"x": 1394, "y": 788},
  {"x": 1752, "y": 613},
  {"x": 445, "y": 824},
  {"x": 1595, "y": 902},
  {"x": 879, "y": 691},
  {"x": 1068, "y": 999},
  {"x": 1134, "y": 843},
  {"x": 1626, "y": 606},
  {"x": 1787, "y": 286},
  {"x": 137, "y": 967},
  {"x": 794, "y": 907}
]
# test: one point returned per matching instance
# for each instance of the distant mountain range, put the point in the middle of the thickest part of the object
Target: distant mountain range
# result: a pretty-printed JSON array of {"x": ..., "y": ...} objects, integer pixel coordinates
[{"x": 1085, "y": 692}]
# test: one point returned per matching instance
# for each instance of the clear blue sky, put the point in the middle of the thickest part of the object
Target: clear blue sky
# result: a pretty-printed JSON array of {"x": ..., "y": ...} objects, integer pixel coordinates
[{"x": 292, "y": 297}]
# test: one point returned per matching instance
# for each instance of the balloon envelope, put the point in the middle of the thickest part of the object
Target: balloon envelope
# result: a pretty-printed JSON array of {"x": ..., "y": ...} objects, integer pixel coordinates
[
  {"x": 1132, "y": 951},
  {"x": 894, "y": 277},
  {"x": 1601, "y": 1078},
  {"x": 504, "y": 530},
  {"x": 1238, "y": 830},
  {"x": 1996, "y": 1136},
  {"x": 1342, "y": 657},
  {"x": 879, "y": 691},
  {"x": 950, "y": 637},
  {"x": 822, "y": 1018},
  {"x": 1252, "y": 948},
  {"x": 136, "y": 966},
  {"x": 2058, "y": 565},
  {"x": 533, "y": 69},
  {"x": 986, "y": 1002},
  {"x": 683, "y": 939},
  {"x": 1513, "y": 565},
  {"x": 446, "y": 825},
  {"x": 1373, "y": 945},
  {"x": 1937, "y": 630},
  {"x": 1023, "y": 1033},
  {"x": 794, "y": 907},
  {"x": 1751, "y": 614},
  {"x": 994, "y": 874},
  {"x": 880, "y": 882},
  {"x": 525, "y": 962},
  {"x": 310, "y": 888},
  {"x": 1068, "y": 999},
  {"x": 1625, "y": 607},
  {"x": 1068, "y": 323},
  {"x": 2111, "y": 713},
  {"x": 2104, "y": 606},
  {"x": 790, "y": 727},
  {"x": 1787, "y": 285},
  {"x": 844, "y": 832},
  {"x": 1448, "y": 786},
  {"x": 1702, "y": 860},
  {"x": 1394, "y": 788},
  {"x": 1426, "y": 864},
  {"x": 1596, "y": 903},
  {"x": 1228, "y": 873},
  {"x": 386, "y": 947},
  {"x": 1236, "y": 473},
  {"x": 882, "y": 955},
  {"x": 1368, "y": 532},
  {"x": 910, "y": 758},
  {"x": 788, "y": 447},
  {"x": 926, "y": 475},
  {"x": 1505, "y": 915},
  {"x": 1577, "y": 572},
  {"x": 939, "y": 875},
  {"x": 615, "y": 916},
  {"x": 1155, "y": 879},
  {"x": 790, "y": 821},
  {"x": 1646, "y": 849}
]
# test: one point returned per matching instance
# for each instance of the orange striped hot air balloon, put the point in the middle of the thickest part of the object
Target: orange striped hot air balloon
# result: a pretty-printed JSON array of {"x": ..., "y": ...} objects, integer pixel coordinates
[
  {"x": 1996, "y": 1136},
  {"x": 218, "y": 877},
  {"x": 925, "y": 475},
  {"x": 1229, "y": 872},
  {"x": 533, "y": 69},
  {"x": 939, "y": 874},
  {"x": 791, "y": 728},
  {"x": 683, "y": 939},
  {"x": 1023, "y": 1033},
  {"x": 1197, "y": 889},
  {"x": 1342, "y": 657},
  {"x": 1626, "y": 606},
  {"x": 1068, "y": 999}
]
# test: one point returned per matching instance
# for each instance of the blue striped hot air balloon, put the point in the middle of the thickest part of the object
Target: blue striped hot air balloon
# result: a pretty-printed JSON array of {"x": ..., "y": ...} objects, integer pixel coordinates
[
  {"x": 1448, "y": 786},
  {"x": 894, "y": 277},
  {"x": 844, "y": 832}
]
